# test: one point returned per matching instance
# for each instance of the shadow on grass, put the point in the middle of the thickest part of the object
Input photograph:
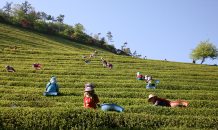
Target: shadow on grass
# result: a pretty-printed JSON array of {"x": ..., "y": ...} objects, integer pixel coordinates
[{"x": 63, "y": 94}]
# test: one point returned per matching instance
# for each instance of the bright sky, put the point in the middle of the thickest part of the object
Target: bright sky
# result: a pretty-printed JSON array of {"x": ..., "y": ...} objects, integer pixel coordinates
[{"x": 158, "y": 29}]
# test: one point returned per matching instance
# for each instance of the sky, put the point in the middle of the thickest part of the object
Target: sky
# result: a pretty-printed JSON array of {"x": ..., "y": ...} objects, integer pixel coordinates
[{"x": 158, "y": 29}]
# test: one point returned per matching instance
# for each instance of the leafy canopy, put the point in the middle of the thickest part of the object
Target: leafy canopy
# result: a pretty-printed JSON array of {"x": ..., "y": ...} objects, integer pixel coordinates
[
  {"x": 204, "y": 50},
  {"x": 7, "y": 7}
]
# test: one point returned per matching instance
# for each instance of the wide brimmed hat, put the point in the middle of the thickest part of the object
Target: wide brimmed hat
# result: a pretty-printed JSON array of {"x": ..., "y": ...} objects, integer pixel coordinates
[
  {"x": 89, "y": 87},
  {"x": 138, "y": 73},
  {"x": 150, "y": 97}
]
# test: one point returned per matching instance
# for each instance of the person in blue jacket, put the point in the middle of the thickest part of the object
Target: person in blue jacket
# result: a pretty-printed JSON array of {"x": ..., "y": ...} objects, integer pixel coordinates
[
  {"x": 52, "y": 86},
  {"x": 9, "y": 69}
]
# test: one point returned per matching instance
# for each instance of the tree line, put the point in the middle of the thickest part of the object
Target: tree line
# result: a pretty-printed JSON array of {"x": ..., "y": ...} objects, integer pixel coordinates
[{"x": 25, "y": 15}]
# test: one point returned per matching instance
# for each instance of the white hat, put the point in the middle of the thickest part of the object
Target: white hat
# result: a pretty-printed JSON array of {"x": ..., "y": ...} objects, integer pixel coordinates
[
  {"x": 150, "y": 97},
  {"x": 138, "y": 73}
]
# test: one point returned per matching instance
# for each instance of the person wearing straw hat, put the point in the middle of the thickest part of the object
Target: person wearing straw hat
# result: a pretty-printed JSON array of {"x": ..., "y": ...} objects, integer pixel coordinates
[
  {"x": 90, "y": 98},
  {"x": 157, "y": 101},
  {"x": 52, "y": 86}
]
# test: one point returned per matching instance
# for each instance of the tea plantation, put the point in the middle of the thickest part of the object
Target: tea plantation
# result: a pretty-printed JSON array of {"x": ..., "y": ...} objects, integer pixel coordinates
[{"x": 61, "y": 58}]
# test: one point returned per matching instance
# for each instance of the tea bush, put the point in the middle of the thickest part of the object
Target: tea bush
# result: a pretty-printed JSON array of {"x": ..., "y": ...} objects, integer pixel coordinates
[{"x": 61, "y": 58}]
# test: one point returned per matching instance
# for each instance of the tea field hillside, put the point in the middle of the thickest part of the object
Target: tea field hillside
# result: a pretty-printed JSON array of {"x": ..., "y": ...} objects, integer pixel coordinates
[{"x": 61, "y": 58}]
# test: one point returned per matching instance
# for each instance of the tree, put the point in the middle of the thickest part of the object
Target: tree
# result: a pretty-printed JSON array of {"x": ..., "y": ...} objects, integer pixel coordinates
[
  {"x": 124, "y": 45},
  {"x": 7, "y": 7},
  {"x": 109, "y": 36},
  {"x": 127, "y": 50},
  {"x": 50, "y": 30},
  {"x": 118, "y": 51},
  {"x": 40, "y": 26},
  {"x": 43, "y": 16},
  {"x": 204, "y": 50},
  {"x": 79, "y": 27},
  {"x": 96, "y": 36},
  {"x": 16, "y": 7},
  {"x": 1, "y": 11},
  {"x": 60, "y": 19},
  {"x": 79, "y": 34},
  {"x": 135, "y": 54},
  {"x": 25, "y": 6},
  {"x": 32, "y": 13},
  {"x": 68, "y": 31},
  {"x": 19, "y": 14},
  {"x": 53, "y": 19},
  {"x": 91, "y": 34},
  {"x": 48, "y": 17},
  {"x": 102, "y": 40}
]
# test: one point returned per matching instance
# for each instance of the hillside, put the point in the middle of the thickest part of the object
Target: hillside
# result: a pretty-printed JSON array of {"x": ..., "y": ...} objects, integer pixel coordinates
[{"x": 61, "y": 58}]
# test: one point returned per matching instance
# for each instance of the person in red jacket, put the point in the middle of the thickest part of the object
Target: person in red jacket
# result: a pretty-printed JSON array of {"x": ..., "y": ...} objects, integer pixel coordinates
[
  {"x": 90, "y": 98},
  {"x": 87, "y": 61},
  {"x": 109, "y": 65},
  {"x": 139, "y": 76},
  {"x": 157, "y": 101}
]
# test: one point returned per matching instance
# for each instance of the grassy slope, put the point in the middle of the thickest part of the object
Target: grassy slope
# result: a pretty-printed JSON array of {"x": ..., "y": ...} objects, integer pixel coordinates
[{"x": 196, "y": 84}]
